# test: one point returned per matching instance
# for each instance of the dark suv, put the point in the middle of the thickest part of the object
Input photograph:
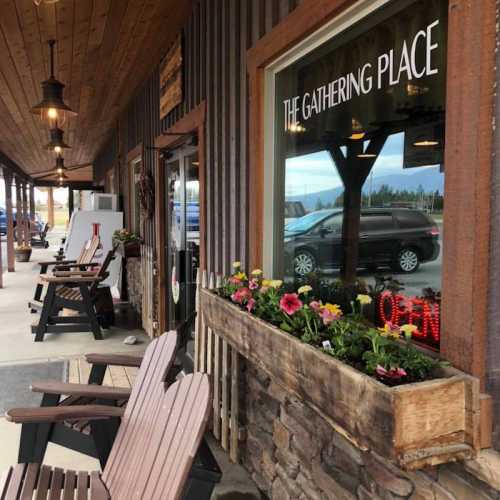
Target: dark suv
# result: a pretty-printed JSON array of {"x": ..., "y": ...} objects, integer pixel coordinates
[{"x": 398, "y": 237}]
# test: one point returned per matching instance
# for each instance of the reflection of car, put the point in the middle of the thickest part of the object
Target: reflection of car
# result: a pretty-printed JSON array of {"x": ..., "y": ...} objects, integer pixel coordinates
[
  {"x": 401, "y": 238},
  {"x": 39, "y": 224},
  {"x": 192, "y": 215},
  {"x": 293, "y": 210}
]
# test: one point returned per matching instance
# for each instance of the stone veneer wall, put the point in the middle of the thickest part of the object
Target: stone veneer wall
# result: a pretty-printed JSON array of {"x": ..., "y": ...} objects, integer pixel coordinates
[
  {"x": 293, "y": 453},
  {"x": 134, "y": 283}
]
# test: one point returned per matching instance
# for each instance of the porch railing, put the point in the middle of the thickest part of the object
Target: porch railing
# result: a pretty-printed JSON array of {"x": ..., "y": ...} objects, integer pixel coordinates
[{"x": 214, "y": 356}]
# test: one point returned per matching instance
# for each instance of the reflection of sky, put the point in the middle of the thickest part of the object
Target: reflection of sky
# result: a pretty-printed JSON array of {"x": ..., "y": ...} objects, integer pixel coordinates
[{"x": 316, "y": 172}]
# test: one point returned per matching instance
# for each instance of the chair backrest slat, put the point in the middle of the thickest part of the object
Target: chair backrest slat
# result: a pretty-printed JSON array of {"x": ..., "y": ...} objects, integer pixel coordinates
[
  {"x": 89, "y": 250},
  {"x": 103, "y": 269},
  {"x": 148, "y": 386},
  {"x": 161, "y": 450}
]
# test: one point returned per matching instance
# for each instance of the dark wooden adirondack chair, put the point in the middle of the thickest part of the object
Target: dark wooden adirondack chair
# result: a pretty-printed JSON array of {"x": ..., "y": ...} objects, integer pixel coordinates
[
  {"x": 77, "y": 291},
  {"x": 39, "y": 238},
  {"x": 82, "y": 263},
  {"x": 152, "y": 455},
  {"x": 82, "y": 435}
]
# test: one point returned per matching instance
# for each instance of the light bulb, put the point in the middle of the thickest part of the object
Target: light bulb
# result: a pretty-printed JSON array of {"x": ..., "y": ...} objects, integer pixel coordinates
[
  {"x": 52, "y": 113},
  {"x": 60, "y": 170},
  {"x": 57, "y": 149}
]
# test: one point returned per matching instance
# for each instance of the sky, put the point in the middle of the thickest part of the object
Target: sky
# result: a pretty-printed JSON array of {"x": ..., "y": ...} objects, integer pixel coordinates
[{"x": 316, "y": 172}]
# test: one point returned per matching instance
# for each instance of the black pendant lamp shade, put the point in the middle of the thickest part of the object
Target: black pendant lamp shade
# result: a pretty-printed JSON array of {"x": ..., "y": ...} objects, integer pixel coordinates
[
  {"x": 52, "y": 109},
  {"x": 60, "y": 168},
  {"x": 56, "y": 143}
]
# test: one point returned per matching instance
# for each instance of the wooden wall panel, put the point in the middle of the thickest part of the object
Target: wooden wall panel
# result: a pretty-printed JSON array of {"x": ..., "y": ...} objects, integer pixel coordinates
[{"x": 215, "y": 40}]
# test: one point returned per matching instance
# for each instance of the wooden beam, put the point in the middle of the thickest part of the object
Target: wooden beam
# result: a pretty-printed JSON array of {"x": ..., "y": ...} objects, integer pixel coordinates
[
  {"x": 32, "y": 201},
  {"x": 468, "y": 159}
]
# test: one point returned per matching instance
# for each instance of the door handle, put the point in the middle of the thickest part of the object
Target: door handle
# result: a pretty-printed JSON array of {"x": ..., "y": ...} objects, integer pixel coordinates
[{"x": 363, "y": 236}]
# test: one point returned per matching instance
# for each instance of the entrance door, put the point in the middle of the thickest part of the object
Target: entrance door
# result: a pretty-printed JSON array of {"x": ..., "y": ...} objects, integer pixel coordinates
[{"x": 183, "y": 233}]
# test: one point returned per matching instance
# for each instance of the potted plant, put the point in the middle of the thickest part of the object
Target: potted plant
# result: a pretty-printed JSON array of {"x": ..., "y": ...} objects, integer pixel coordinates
[
  {"x": 23, "y": 253},
  {"x": 372, "y": 383},
  {"x": 129, "y": 244}
]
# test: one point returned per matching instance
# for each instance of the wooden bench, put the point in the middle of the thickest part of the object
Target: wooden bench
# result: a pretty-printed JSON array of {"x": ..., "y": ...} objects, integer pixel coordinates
[
  {"x": 77, "y": 291},
  {"x": 159, "y": 435},
  {"x": 82, "y": 263}
]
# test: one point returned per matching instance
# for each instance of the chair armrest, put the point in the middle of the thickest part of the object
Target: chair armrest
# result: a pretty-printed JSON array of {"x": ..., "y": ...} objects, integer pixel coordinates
[
  {"x": 62, "y": 274},
  {"x": 75, "y": 279},
  {"x": 47, "y": 414},
  {"x": 83, "y": 390},
  {"x": 133, "y": 360},
  {"x": 56, "y": 262}
]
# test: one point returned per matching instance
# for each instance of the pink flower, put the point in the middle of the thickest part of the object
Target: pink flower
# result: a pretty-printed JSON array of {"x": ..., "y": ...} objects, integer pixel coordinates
[
  {"x": 254, "y": 284},
  {"x": 241, "y": 295},
  {"x": 328, "y": 316},
  {"x": 393, "y": 373},
  {"x": 290, "y": 303},
  {"x": 250, "y": 305},
  {"x": 315, "y": 305}
]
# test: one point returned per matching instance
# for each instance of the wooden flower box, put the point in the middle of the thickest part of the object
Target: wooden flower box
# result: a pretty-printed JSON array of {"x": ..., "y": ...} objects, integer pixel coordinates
[
  {"x": 413, "y": 425},
  {"x": 128, "y": 250}
]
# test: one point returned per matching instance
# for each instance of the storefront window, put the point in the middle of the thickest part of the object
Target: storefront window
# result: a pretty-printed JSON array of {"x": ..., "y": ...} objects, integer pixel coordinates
[{"x": 359, "y": 173}]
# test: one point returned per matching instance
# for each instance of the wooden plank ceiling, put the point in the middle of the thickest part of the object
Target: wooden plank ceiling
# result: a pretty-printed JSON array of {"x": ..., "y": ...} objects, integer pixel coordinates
[{"x": 105, "y": 49}]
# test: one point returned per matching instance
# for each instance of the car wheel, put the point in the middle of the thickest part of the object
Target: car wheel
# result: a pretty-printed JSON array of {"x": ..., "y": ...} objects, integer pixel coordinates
[
  {"x": 304, "y": 263},
  {"x": 407, "y": 261}
]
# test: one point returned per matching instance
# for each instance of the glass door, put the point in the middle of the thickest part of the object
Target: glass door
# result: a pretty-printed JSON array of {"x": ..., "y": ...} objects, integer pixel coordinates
[{"x": 183, "y": 233}]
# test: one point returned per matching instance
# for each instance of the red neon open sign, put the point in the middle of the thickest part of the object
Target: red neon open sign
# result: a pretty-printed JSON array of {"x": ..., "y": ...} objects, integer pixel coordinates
[{"x": 401, "y": 310}]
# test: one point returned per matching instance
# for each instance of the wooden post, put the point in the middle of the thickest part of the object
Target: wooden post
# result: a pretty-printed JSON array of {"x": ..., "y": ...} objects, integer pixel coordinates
[
  {"x": 32, "y": 202},
  {"x": 71, "y": 201},
  {"x": 7, "y": 177},
  {"x": 19, "y": 213},
  {"x": 50, "y": 207},
  {"x": 1, "y": 263},
  {"x": 26, "y": 221}
]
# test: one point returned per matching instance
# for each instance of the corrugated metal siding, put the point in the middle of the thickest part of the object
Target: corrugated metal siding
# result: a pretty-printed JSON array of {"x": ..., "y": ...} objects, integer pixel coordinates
[{"x": 215, "y": 42}]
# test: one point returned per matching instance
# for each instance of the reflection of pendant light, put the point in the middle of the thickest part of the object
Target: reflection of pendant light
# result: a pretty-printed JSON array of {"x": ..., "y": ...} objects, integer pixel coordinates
[
  {"x": 367, "y": 155},
  {"x": 296, "y": 128},
  {"x": 52, "y": 109},
  {"x": 357, "y": 131},
  {"x": 426, "y": 143},
  {"x": 38, "y": 2},
  {"x": 56, "y": 143}
]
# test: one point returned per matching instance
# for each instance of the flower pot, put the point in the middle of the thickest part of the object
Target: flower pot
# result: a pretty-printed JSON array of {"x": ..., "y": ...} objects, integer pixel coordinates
[
  {"x": 413, "y": 425},
  {"x": 23, "y": 254}
]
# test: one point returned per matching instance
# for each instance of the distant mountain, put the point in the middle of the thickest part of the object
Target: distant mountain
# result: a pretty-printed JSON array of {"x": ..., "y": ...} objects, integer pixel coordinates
[{"x": 431, "y": 180}]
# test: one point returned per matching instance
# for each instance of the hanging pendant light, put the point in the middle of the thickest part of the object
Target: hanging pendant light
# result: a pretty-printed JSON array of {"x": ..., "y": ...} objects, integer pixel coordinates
[
  {"x": 39, "y": 2},
  {"x": 60, "y": 168},
  {"x": 52, "y": 109},
  {"x": 56, "y": 143}
]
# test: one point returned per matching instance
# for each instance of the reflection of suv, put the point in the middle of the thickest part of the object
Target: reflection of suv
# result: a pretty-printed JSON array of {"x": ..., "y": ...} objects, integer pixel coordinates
[{"x": 400, "y": 238}]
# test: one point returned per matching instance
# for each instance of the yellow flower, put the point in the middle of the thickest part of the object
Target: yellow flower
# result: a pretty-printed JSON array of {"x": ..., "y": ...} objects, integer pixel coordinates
[
  {"x": 275, "y": 283},
  {"x": 237, "y": 264},
  {"x": 304, "y": 289},
  {"x": 266, "y": 283},
  {"x": 333, "y": 308},
  {"x": 390, "y": 330},
  {"x": 408, "y": 330},
  {"x": 240, "y": 276},
  {"x": 256, "y": 272},
  {"x": 364, "y": 299}
]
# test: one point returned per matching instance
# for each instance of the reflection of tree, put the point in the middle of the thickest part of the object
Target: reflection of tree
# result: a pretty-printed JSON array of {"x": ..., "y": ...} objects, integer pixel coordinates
[{"x": 386, "y": 196}]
